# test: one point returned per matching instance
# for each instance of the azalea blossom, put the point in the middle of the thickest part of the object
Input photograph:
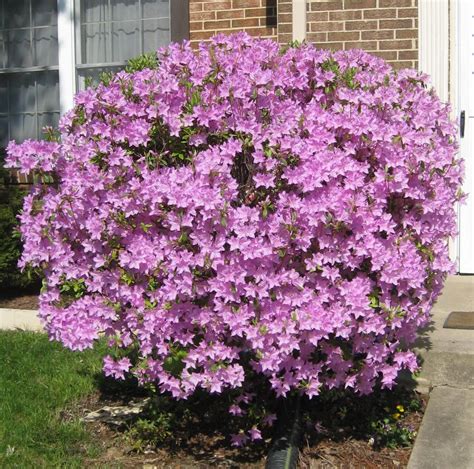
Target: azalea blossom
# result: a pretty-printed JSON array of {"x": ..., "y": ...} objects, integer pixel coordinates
[{"x": 245, "y": 211}]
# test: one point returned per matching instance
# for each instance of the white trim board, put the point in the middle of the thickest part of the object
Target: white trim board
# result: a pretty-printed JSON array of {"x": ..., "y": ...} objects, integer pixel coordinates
[
  {"x": 299, "y": 20},
  {"x": 446, "y": 48},
  {"x": 465, "y": 104}
]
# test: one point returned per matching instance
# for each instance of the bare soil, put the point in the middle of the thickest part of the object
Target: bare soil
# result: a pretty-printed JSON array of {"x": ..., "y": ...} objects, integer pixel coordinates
[{"x": 19, "y": 300}]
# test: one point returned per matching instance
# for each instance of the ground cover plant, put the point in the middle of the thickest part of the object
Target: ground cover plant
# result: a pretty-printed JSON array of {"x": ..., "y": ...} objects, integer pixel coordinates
[{"x": 246, "y": 219}]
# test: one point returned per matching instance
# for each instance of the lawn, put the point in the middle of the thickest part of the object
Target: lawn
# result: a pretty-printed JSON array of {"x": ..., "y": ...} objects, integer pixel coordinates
[{"x": 38, "y": 379}]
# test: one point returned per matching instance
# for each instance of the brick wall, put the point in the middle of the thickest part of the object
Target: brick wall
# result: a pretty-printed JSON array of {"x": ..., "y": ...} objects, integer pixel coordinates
[
  {"x": 387, "y": 28},
  {"x": 285, "y": 21},
  {"x": 257, "y": 17}
]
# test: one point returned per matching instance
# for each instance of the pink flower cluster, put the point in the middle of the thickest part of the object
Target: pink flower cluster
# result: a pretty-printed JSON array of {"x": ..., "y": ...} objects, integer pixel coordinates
[{"x": 245, "y": 210}]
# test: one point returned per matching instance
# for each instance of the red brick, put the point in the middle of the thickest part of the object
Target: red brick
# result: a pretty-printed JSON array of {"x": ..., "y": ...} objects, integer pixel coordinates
[
  {"x": 230, "y": 14},
  {"x": 329, "y": 45},
  {"x": 325, "y": 6},
  {"x": 285, "y": 8},
  {"x": 252, "y": 12},
  {"x": 360, "y": 25},
  {"x": 222, "y": 24},
  {"x": 195, "y": 6},
  {"x": 285, "y": 28},
  {"x": 380, "y": 13},
  {"x": 245, "y": 23},
  {"x": 202, "y": 15},
  {"x": 195, "y": 26},
  {"x": 327, "y": 26},
  {"x": 381, "y": 34},
  {"x": 408, "y": 54},
  {"x": 284, "y": 38},
  {"x": 366, "y": 45},
  {"x": 395, "y": 3},
  {"x": 408, "y": 12},
  {"x": 393, "y": 45},
  {"x": 245, "y": 3},
  {"x": 344, "y": 36},
  {"x": 218, "y": 5},
  {"x": 355, "y": 4},
  {"x": 345, "y": 15},
  {"x": 317, "y": 16},
  {"x": 201, "y": 35},
  {"x": 407, "y": 34},
  {"x": 260, "y": 31},
  {"x": 316, "y": 37},
  {"x": 285, "y": 18},
  {"x": 387, "y": 55},
  {"x": 396, "y": 24},
  {"x": 399, "y": 65}
]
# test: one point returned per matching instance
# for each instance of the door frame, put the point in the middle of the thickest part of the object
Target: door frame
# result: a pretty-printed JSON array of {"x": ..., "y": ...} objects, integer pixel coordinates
[{"x": 439, "y": 56}]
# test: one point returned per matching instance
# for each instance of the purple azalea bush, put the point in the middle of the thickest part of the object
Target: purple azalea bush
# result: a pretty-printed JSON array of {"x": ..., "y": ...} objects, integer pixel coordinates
[{"x": 243, "y": 211}]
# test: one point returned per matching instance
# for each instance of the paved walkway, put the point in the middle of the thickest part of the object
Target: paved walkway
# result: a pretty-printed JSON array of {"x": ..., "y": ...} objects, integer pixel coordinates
[
  {"x": 446, "y": 436},
  {"x": 25, "y": 319}
]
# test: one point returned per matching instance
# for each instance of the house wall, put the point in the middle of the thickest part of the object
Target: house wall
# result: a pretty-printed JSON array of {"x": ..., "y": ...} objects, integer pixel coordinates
[
  {"x": 256, "y": 17},
  {"x": 387, "y": 28}
]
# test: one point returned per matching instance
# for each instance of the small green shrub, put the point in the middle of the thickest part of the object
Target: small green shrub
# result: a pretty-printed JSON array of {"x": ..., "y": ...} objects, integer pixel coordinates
[{"x": 11, "y": 201}]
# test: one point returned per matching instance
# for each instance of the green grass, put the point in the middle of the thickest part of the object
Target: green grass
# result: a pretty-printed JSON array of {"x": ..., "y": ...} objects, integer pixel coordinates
[{"x": 38, "y": 379}]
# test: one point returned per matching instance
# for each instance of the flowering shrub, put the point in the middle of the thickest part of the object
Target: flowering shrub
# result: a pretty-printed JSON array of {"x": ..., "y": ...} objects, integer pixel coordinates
[{"x": 243, "y": 211}]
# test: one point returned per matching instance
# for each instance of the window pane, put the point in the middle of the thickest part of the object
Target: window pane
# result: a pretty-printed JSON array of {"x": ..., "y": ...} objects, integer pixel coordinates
[
  {"x": 124, "y": 10},
  {"x": 19, "y": 48},
  {"x": 156, "y": 33},
  {"x": 94, "y": 43},
  {"x": 125, "y": 40},
  {"x": 3, "y": 94},
  {"x": 3, "y": 131},
  {"x": 91, "y": 76},
  {"x": 155, "y": 8},
  {"x": 22, "y": 93},
  {"x": 94, "y": 11},
  {"x": 48, "y": 91},
  {"x": 18, "y": 13},
  {"x": 3, "y": 51},
  {"x": 22, "y": 126},
  {"x": 46, "y": 46},
  {"x": 48, "y": 119},
  {"x": 45, "y": 12}
]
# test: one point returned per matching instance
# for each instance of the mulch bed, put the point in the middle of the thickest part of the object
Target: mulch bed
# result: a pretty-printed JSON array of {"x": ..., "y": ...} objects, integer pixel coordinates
[
  {"x": 195, "y": 447},
  {"x": 19, "y": 300}
]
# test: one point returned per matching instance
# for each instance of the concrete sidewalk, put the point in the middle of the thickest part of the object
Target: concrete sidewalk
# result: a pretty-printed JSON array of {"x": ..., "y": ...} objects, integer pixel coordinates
[
  {"x": 446, "y": 436},
  {"x": 24, "y": 319}
]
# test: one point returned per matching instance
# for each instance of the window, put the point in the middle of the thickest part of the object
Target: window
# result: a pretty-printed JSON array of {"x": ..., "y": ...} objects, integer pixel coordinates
[
  {"x": 29, "y": 78},
  {"x": 49, "y": 47},
  {"x": 112, "y": 31}
]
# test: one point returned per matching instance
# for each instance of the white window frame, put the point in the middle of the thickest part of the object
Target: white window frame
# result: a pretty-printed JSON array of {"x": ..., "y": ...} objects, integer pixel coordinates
[
  {"x": 67, "y": 54},
  {"x": 68, "y": 28}
]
